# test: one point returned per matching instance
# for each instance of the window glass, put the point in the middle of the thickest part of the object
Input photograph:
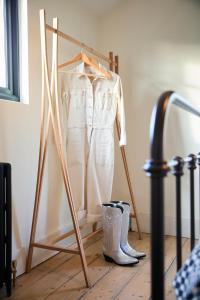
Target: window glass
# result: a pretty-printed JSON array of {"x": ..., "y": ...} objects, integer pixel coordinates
[
  {"x": 3, "y": 72},
  {"x": 9, "y": 50}
]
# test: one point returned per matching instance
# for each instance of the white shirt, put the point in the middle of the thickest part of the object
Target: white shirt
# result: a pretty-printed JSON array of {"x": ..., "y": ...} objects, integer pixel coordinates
[{"x": 93, "y": 103}]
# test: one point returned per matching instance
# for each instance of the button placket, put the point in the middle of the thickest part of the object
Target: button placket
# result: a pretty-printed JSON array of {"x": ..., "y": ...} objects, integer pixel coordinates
[
  {"x": 91, "y": 101},
  {"x": 90, "y": 107},
  {"x": 94, "y": 89}
]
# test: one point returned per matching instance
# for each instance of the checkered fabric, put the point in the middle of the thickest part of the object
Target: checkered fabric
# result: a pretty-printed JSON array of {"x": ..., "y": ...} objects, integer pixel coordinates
[{"x": 187, "y": 280}]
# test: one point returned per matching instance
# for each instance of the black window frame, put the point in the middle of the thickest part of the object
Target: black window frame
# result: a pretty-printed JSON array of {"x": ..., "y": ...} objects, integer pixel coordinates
[{"x": 12, "y": 52}]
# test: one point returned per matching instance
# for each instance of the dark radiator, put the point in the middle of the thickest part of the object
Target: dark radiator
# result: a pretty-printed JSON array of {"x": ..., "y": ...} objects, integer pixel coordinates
[{"x": 5, "y": 227}]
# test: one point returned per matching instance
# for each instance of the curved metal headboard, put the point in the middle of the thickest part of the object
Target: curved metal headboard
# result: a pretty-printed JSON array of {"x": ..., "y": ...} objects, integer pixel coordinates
[{"x": 157, "y": 169}]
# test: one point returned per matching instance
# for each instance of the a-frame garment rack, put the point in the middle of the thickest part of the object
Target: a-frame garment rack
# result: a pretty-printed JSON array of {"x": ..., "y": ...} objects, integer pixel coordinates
[{"x": 50, "y": 115}]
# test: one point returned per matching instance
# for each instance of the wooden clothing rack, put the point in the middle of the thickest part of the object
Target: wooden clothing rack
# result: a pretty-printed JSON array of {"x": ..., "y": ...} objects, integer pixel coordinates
[{"x": 50, "y": 115}]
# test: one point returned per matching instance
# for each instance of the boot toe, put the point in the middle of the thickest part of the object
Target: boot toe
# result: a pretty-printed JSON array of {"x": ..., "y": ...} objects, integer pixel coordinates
[
  {"x": 139, "y": 254},
  {"x": 132, "y": 252},
  {"x": 123, "y": 260}
]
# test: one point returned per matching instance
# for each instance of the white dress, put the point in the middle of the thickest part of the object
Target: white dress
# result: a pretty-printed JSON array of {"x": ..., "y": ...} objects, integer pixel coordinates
[{"x": 90, "y": 109}]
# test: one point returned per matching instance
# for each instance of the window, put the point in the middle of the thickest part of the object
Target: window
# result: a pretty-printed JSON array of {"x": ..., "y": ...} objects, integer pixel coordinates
[{"x": 9, "y": 50}]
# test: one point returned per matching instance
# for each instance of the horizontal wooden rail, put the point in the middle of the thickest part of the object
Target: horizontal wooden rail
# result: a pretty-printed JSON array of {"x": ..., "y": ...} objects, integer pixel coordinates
[
  {"x": 55, "y": 248},
  {"x": 79, "y": 43}
]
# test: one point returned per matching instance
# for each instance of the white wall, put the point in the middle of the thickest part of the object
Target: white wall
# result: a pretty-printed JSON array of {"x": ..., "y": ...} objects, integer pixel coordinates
[
  {"x": 158, "y": 43},
  {"x": 20, "y": 127}
]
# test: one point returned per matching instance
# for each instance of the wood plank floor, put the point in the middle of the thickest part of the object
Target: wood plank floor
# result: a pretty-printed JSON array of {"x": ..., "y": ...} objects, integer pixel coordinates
[{"x": 61, "y": 277}]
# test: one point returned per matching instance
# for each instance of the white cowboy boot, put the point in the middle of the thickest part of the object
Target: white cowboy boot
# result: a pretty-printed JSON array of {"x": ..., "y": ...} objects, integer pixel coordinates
[
  {"x": 124, "y": 235},
  {"x": 112, "y": 223}
]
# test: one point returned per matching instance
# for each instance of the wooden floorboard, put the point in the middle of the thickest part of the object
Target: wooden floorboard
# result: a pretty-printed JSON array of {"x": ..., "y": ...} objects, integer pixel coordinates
[
  {"x": 116, "y": 280},
  {"x": 61, "y": 277},
  {"x": 139, "y": 285},
  {"x": 43, "y": 270},
  {"x": 98, "y": 269},
  {"x": 170, "y": 295}
]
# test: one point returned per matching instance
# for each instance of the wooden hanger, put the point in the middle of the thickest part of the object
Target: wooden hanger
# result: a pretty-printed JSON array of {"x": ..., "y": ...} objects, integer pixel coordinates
[{"x": 88, "y": 61}]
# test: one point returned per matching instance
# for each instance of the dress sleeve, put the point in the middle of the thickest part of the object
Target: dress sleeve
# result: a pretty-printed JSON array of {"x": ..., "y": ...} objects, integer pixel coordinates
[{"x": 121, "y": 113}]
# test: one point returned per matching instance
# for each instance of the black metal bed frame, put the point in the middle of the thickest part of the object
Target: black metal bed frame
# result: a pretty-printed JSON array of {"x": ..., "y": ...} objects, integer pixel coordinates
[{"x": 157, "y": 168}]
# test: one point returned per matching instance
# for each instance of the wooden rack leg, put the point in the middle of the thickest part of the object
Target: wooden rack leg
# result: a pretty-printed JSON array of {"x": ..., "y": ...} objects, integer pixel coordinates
[
  {"x": 94, "y": 227},
  {"x": 59, "y": 146},
  {"x": 130, "y": 186},
  {"x": 41, "y": 161},
  {"x": 57, "y": 136},
  {"x": 123, "y": 153},
  {"x": 41, "y": 164},
  {"x": 40, "y": 172},
  {"x": 111, "y": 60},
  {"x": 76, "y": 225}
]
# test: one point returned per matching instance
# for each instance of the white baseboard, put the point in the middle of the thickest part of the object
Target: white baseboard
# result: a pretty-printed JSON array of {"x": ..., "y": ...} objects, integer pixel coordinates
[{"x": 170, "y": 225}]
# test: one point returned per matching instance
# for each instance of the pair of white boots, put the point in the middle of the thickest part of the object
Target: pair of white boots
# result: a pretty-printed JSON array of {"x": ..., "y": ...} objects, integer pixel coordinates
[{"x": 115, "y": 219}]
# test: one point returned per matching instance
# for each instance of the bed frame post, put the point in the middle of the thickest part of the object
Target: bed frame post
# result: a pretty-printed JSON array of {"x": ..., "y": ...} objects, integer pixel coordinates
[
  {"x": 177, "y": 171},
  {"x": 191, "y": 160},
  {"x": 157, "y": 169}
]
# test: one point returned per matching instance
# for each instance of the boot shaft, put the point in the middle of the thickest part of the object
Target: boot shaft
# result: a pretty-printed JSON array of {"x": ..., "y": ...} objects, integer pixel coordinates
[
  {"x": 125, "y": 220},
  {"x": 112, "y": 223}
]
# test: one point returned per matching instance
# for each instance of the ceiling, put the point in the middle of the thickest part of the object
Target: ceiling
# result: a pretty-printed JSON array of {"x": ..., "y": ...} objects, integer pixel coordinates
[{"x": 101, "y": 7}]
